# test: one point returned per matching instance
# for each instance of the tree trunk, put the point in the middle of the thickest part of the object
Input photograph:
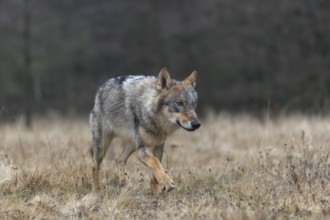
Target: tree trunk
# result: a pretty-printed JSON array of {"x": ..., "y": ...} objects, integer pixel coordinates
[{"x": 27, "y": 75}]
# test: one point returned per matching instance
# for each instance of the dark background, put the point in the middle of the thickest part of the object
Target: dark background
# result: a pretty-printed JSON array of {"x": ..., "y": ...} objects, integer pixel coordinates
[{"x": 250, "y": 55}]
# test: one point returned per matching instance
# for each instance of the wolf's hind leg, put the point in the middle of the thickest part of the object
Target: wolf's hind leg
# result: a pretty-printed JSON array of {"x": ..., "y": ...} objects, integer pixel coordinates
[
  {"x": 121, "y": 161},
  {"x": 101, "y": 143}
]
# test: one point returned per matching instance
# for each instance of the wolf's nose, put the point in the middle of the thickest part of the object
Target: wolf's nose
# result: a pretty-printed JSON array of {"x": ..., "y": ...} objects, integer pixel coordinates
[{"x": 195, "y": 124}]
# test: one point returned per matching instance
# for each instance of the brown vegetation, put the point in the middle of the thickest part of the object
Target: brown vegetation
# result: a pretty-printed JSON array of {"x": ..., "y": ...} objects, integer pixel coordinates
[{"x": 233, "y": 167}]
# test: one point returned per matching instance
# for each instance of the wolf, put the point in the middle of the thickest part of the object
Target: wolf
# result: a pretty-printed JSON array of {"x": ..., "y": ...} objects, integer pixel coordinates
[{"x": 143, "y": 111}]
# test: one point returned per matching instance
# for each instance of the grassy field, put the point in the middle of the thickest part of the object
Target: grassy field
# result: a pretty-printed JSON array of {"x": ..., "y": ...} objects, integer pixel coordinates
[{"x": 233, "y": 167}]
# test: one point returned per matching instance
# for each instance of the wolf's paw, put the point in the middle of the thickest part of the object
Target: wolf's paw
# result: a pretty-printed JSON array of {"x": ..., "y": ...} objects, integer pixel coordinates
[{"x": 162, "y": 182}]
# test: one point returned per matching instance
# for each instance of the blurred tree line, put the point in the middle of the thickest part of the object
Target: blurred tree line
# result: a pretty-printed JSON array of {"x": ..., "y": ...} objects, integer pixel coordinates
[{"x": 250, "y": 55}]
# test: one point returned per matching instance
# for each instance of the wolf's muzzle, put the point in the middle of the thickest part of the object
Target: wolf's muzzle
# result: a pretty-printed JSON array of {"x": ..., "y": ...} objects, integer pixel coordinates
[
  {"x": 195, "y": 124},
  {"x": 192, "y": 127}
]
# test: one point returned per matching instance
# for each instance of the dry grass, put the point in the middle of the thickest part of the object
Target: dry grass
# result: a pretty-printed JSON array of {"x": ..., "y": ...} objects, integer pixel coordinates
[{"x": 234, "y": 167}]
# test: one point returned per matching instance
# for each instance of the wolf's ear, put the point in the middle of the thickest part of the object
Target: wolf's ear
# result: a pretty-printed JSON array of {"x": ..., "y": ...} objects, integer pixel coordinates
[
  {"x": 164, "y": 80},
  {"x": 191, "y": 79}
]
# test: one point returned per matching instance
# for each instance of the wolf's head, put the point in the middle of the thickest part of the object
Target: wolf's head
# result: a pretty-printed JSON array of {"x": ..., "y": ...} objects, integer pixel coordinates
[{"x": 179, "y": 99}]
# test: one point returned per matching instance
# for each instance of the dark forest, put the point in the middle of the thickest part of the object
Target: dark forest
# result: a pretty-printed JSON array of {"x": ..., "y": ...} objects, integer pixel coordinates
[{"x": 250, "y": 55}]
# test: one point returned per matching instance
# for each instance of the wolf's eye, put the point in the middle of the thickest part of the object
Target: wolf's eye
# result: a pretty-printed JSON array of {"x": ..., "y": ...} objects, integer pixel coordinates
[{"x": 179, "y": 103}]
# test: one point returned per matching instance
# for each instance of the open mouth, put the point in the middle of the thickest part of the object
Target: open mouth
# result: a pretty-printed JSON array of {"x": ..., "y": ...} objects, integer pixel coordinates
[{"x": 187, "y": 129}]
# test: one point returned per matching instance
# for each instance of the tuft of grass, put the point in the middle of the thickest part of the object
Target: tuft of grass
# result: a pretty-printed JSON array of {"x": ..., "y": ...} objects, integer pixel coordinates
[{"x": 32, "y": 182}]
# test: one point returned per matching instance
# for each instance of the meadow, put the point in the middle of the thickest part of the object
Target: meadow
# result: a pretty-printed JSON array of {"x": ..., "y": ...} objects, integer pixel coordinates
[{"x": 233, "y": 167}]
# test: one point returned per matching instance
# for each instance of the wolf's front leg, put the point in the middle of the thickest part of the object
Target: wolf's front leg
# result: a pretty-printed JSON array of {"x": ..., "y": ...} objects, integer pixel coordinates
[
  {"x": 157, "y": 151},
  {"x": 121, "y": 163},
  {"x": 161, "y": 181}
]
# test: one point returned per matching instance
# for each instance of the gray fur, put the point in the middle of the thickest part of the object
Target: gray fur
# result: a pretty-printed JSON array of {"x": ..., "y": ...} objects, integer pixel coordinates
[{"x": 133, "y": 108}]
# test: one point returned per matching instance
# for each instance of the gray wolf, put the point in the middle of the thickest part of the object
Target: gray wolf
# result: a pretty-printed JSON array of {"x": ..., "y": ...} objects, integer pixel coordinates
[{"x": 143, "y": 111}]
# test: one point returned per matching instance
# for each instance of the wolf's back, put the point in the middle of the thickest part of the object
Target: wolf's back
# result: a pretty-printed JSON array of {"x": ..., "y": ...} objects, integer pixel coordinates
[{"x": 118, "y": 102}]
